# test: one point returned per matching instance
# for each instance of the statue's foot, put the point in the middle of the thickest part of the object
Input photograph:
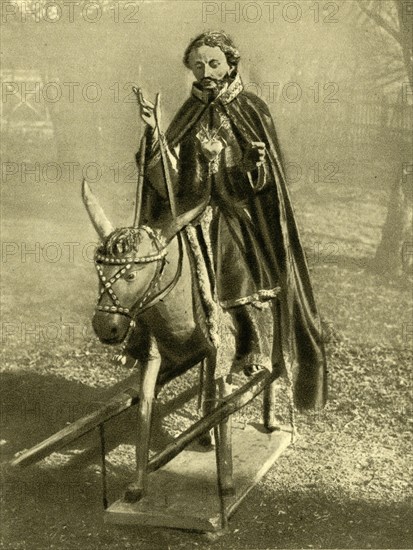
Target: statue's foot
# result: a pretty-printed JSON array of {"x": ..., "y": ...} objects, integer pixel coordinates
[{"x": 250, "y": 370}]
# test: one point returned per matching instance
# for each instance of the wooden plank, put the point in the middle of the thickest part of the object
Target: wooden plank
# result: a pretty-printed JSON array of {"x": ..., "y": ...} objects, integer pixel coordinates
[
  {"x": 129, "y": 397},
  {"x": 183, "y": 494},
  {"x": 229, "y": 405},
  {"x": 80, "y": 427},
  {"x": 119, "y": 403}
]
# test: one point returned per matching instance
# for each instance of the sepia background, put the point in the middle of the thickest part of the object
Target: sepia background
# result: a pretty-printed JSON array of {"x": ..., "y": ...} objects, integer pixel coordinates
[{"x": 337, "y": 78}]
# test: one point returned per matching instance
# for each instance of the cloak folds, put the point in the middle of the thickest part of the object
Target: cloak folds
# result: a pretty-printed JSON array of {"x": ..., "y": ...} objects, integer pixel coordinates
[{"x": 274, "y": 224}]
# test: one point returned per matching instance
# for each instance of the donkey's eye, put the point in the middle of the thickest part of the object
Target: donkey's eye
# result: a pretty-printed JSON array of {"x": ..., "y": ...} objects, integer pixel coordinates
[{"x": 131, "y": 276}]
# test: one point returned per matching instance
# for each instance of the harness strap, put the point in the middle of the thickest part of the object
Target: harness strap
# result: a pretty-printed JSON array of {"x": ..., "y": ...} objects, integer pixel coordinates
[
  {"x": 144, "y": 304},
  {"x": 171, "y": 285}
]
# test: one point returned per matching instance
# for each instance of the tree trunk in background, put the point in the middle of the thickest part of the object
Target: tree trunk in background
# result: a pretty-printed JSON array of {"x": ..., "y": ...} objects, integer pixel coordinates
[{"x": 393, "y": 255}]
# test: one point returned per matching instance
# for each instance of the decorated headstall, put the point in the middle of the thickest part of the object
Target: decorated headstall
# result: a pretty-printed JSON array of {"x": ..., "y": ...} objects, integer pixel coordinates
[{"x": 126, "y": 263}]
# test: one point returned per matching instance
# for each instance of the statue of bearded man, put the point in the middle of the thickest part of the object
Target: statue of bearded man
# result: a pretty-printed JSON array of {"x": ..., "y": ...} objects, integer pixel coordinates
[{"x": 222, "y": 149}]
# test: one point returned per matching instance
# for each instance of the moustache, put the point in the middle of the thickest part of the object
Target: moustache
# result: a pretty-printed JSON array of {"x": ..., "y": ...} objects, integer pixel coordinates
[
  {"x": 208, "y": 80},
  {"x": 212, "y": 83}
]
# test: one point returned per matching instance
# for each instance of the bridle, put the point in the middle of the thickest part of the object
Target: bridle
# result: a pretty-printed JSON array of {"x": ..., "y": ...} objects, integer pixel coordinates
[{"x": 126, "y": 264}]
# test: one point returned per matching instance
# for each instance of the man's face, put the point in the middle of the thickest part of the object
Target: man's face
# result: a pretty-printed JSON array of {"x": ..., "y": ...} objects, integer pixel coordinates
[{"x": 209, "y": 65}]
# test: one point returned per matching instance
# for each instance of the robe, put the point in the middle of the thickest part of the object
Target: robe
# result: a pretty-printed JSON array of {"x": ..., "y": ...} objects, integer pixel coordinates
[{"x": 258, "y": 254}]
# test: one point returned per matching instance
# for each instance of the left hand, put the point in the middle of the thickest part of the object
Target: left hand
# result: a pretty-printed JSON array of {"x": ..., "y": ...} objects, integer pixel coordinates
[{"x": 254, "y": 155}]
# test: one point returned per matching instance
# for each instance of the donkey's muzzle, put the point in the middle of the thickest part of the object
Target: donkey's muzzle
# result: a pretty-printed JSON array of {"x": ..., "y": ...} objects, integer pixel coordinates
[{"x": 110, "y": 328}]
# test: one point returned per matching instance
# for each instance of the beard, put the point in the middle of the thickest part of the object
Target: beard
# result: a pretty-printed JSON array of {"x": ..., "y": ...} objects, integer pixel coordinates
[
  {"x": 211, "y": 84},
  {"x": 215, "y": 85}
]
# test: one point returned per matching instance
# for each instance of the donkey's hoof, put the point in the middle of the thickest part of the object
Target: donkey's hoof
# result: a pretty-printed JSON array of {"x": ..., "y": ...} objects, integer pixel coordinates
[
  {"x": 133, "y": 494},
  {"x": 272, "y": 427}
]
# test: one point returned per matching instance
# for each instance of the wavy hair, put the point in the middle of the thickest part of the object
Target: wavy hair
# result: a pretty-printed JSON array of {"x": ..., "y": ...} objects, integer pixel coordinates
[{"x": 213, "y": 39}]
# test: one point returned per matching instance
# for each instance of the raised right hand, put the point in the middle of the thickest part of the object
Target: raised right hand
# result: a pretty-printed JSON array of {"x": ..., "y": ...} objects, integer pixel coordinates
[{"x": 147, "y": 108}]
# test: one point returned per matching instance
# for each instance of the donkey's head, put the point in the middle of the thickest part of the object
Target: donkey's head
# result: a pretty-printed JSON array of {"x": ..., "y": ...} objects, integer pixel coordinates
[{"x": 130, "y": 262}]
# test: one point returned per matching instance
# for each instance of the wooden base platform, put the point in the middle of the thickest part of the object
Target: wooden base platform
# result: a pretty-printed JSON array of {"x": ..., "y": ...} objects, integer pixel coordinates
[{"x": 183, "y": 494}]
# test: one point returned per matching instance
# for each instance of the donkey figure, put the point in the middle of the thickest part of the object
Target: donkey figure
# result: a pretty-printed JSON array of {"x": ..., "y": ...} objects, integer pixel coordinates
[{"x": 146, "y": 287}]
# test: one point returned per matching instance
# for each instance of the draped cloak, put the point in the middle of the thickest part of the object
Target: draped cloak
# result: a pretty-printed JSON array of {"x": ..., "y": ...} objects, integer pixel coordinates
[{"x": 260, "y": 202}]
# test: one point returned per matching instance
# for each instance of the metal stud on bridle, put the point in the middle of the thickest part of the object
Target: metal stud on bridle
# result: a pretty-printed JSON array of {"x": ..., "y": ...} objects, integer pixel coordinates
[{"x": 127, "y": 263}]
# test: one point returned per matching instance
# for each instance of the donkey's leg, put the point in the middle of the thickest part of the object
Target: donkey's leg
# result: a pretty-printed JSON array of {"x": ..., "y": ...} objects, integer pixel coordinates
[
  {"x": 269, "y": 399},
  {"x": 224, "y": 446},
  {"x": 207, "y": 390},
  {"x": 220, "y": 469},
  {"x": 149, "y": 375},
  {"x": 269, "y": 407}
]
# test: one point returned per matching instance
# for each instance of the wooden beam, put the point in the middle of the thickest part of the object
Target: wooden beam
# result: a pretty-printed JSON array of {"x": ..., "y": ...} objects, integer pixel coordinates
[
  {"x": 129, "y": 397},
  {"x": 80, "y": 427},
  {"x": 228, "y": 406},
  {"x": 122, "y": 401},
  {"x": 118, "y": 404},
  {"x": 113, "y": 437}
]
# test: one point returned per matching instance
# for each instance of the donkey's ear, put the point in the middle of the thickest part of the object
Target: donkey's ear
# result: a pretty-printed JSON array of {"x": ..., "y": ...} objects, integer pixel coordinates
[
  {"x": 171, "y": 227},
  {"x": 98, "y": 218}
]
